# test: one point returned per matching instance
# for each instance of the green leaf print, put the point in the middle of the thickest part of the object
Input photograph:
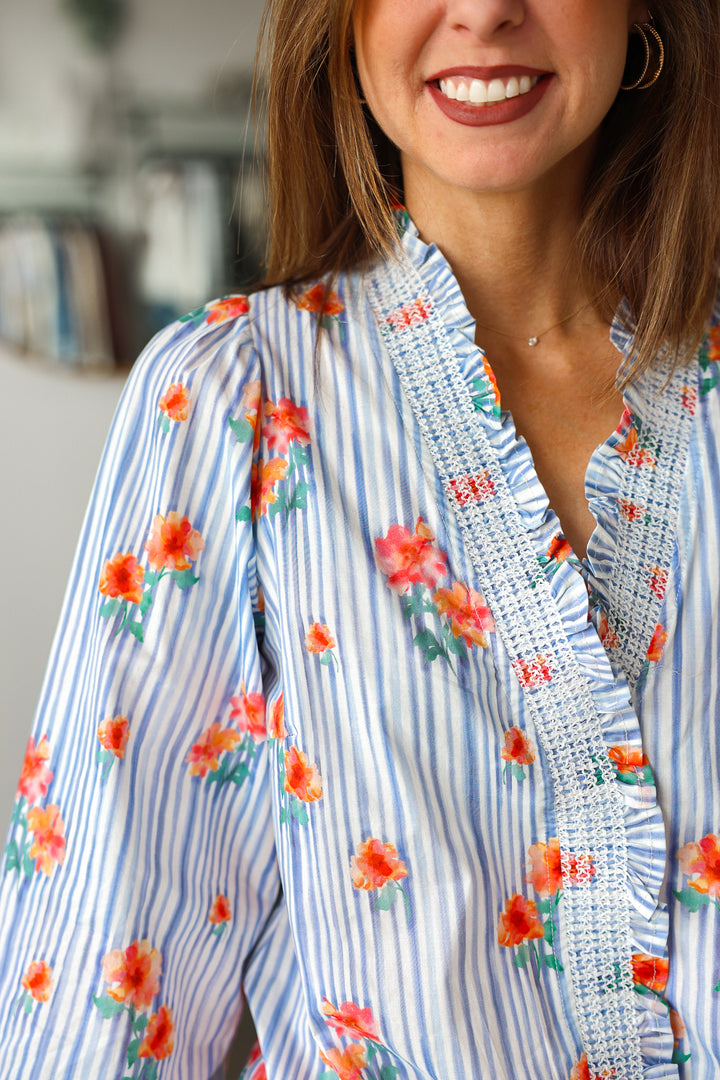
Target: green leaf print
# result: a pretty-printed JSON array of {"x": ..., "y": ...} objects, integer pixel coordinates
[
  {"x": 691, "y": 898},
  {"x": 108, "y": 1006},
  {"x": 242, "y": 429}
]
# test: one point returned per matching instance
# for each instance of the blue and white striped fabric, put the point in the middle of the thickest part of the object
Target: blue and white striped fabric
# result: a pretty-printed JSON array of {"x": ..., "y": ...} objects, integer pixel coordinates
[{"x": 313, "y": 735}]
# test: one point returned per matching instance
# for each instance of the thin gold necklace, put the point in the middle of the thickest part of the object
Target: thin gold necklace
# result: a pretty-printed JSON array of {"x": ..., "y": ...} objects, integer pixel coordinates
[{"x": 534, "y": 339}]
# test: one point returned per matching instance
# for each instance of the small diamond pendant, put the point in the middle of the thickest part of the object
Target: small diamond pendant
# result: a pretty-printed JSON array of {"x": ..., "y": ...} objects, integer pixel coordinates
[{"x": 532, "y": 341}]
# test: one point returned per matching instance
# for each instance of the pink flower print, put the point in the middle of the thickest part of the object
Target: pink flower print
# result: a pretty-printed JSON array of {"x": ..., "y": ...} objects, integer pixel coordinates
[
  {"x": 48, "y": 830},
  {"x": 349, "y": 1019},
  {"x": 348, "y": 1063},
  {"x": 465, "y": 608},
  {"x": 532, "y": 672},
  {"x": 276, "y": 727},
  {"x": 249, "y": 713},
  {"x": 468, "y": 489},
  {"x": 287, "y": 423},
  {"x": 230, "y": 307},
  {"x": 136, "y": 971},
  {"x": 410, "y": 558},
  {"x": 251, "y": 395},
  {"x": 409, "y": 315},
  {"x": 656, "y": 647},
  {"x": 35, "y": 775},
  {"x": 703, "y": 859},
  {"x": 204, "y": 754}
]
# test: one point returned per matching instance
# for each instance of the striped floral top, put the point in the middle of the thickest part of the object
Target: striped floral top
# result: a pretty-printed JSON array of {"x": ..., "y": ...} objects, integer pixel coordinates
[{"x": 336, "y": 723}]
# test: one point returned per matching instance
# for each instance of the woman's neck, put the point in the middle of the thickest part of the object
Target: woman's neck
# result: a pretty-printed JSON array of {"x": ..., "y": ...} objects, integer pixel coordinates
[{"x": 512, "y": 252}]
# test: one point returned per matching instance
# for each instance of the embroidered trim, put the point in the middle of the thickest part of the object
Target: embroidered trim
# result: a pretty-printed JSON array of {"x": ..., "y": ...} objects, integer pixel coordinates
[{"x": 589, "y": 810}]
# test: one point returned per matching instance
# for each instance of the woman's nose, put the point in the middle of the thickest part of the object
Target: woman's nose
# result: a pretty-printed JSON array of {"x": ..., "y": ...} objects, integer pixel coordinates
[{"x": 485, "y": 18}]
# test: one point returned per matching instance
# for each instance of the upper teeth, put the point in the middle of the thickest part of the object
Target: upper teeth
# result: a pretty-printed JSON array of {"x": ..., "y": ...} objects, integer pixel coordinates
[{"x": 482, "y": 92}]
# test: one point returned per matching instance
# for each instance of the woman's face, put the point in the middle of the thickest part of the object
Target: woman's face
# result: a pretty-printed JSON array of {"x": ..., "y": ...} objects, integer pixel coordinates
[{"x": 491, "y": 95}]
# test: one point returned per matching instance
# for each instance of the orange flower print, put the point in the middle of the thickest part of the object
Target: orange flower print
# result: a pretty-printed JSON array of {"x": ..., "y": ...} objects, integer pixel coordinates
[
  {"x": 656, "y": 648},
  {"x": 136, "y": 970},
  {"x": 265, "y": 475},
  {"x": 629, "y": 448},
  {"x": 516, "y": 752},
  {"x": 287, "y": 423},
  {"x": 301, "y": 779},
  {"x": 159, "y": 1038},
  {"x": 48, "y": 830},
  {"x": 320, "y": 301},
  {"x": 650, "y": 972},
  {"x": 405, "y": 317},
  {"x": 230, "y": 307},
  {"x": 702, "y": 858},
  {"x": 37, "y": 980},
  {"x": 248, "y": 711},
  {"x": 519, "y": 922},
  {"x": 276, "y": 727},
  {"x": 35, "y": 776},
  {"x": 607, "y": 635},
  {"x": 350, "y": 1019},
  {"x": 348, "y": 1063},
  {"x": 175, "y": 402},
  {"x": 375, "y": 864},
  {"x": 220, "y": 912},
  {"x": 410, "y": 558},
  {"x": 533, "y": 672},
  {"x": 559, "y": 549},
  {"x": 319, "y": 640},
  {"x": 631, "y": 764},
  {"x": 122, "y": 576},
  {"x": 173, "y": 544},
  {"x": 204, "y": 754},
  {"x": 466, "y": 611},
  {"x": 545, "y": 874},
  {"x": 630, "y": 511},
  {"x": 114, "y": 734},
  {"x": 714, "y": 344},
  {"x": 581, "y": 1071}
]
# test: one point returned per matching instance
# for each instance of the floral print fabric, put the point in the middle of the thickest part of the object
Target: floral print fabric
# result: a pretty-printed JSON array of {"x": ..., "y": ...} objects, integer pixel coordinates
[{"x": 282, "y": 743}]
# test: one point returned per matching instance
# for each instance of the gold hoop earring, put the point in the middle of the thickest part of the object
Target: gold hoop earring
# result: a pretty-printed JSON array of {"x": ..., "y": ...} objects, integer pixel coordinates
[{"x": 653, "y": 60}]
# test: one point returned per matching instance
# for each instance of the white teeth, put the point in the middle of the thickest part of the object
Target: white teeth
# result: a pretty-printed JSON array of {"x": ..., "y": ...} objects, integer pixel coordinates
[
  {"x": 496, "y": 91},
  {"x": 478, "y": 92},
  {"x": 482, "y": 92}
]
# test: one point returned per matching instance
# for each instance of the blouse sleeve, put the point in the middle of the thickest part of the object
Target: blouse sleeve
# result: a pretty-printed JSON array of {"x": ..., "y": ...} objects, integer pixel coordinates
[{"x": 140, "y": 865}]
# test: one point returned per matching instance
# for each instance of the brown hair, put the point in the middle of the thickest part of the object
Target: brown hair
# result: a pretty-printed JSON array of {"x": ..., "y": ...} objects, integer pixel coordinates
[{"x": 650, "y": 230}]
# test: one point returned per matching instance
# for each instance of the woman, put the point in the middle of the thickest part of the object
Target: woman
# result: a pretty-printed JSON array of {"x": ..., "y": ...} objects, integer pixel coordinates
[{"x": 331, "y": 718}]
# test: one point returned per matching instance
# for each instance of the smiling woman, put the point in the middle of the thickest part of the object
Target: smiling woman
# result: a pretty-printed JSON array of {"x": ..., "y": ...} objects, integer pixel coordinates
[{"x": 418, "y": 738}]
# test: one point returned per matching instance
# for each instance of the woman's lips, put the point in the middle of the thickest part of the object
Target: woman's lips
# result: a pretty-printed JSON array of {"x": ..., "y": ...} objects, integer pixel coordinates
[{"x": 481, "y": 97}]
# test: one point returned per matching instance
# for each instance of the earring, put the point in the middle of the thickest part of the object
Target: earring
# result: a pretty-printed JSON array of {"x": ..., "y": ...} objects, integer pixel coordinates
[{"x": 654, "y": 57}]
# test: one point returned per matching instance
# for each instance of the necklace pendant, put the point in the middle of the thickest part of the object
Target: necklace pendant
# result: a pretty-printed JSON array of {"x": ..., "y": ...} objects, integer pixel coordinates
[{"x": 532, "y": 341}]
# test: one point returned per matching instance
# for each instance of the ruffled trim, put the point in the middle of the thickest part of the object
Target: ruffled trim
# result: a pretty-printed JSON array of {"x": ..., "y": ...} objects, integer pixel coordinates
[{"x": 643, "y": 825}]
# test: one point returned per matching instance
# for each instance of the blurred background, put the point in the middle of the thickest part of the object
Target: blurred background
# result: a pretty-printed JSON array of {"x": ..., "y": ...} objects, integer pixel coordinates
[{"x": 130, "y": 193}]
